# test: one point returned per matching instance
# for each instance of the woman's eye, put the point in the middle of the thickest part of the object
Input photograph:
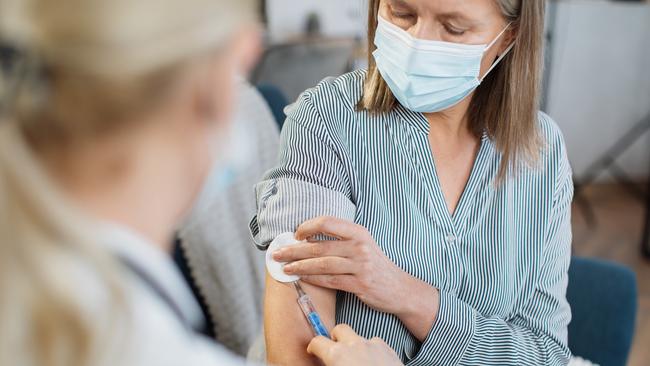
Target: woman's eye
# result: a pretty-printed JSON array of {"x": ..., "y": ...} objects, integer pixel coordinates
[
  {"x": 401, "y": 15},
  {"x": 454, "y": 31}
]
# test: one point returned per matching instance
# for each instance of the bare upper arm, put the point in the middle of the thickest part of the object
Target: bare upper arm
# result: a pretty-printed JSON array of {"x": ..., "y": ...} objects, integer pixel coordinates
[{"x": 286, "y": 331}]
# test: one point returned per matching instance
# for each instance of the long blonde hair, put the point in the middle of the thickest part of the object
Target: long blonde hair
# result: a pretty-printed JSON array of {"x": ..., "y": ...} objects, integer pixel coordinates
[
  {"x": 506, "y": 103},
  {"x": 84, "y": 67}
]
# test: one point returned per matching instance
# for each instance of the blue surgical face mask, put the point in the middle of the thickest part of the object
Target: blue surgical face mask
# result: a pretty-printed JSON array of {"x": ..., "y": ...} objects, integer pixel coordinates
[
  {"x": 428, "y": 76},
  {"x": 232, "y": 155}
]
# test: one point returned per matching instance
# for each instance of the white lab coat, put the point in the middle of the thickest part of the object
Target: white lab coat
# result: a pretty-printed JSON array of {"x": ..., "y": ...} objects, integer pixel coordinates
[{"x": 159, "y": 330}]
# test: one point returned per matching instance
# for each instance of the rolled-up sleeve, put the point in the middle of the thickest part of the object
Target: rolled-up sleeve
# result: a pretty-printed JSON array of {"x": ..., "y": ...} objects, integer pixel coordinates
[
  {"x": 537, "y": 333},
  {"x": 310, "y": 180}
]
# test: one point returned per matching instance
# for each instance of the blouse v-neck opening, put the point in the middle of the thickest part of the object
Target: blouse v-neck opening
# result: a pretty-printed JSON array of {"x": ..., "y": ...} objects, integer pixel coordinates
[{"x": 430, "y": 172}]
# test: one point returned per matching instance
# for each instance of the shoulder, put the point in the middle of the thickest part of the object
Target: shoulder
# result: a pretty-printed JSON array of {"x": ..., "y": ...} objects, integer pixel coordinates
[
  {"x": 553, "y": 157},
  {"x": 328, "y": 102},
  {"x": 550, "y": 133},
  {"x": 342, "y": 92}
]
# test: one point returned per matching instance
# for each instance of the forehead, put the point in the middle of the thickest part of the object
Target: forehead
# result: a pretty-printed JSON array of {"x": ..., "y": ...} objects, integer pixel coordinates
[{"x": 471, "y": 9}]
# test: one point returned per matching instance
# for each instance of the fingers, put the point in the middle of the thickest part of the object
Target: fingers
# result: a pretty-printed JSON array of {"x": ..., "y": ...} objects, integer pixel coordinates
[
  {"x": 312, "y": 250},
  {"x": 321, "y": 266},
  {"x": 320, "y": 347},
  {"x": 343, "y": 333},
  {"x": 348, "y": 348},
  {"x": 347, "y": 283},
  {"x": 330, "y": 226}
]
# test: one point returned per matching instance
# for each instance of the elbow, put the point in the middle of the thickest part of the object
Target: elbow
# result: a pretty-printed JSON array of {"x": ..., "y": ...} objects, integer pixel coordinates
[{"x": 555, "y": 352}]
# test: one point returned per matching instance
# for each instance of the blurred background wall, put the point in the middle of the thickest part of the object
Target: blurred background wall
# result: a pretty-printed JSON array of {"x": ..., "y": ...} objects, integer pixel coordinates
[{"x": 599, "y": 82}]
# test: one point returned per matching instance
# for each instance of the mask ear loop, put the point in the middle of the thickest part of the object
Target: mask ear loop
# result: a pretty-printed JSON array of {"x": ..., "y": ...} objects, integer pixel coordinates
[
  {"x": 498, "y": 37},
  {"x": 502, "y": 56}
]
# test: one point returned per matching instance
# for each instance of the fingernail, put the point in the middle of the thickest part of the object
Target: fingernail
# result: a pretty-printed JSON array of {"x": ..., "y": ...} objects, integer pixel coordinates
[
  {"x": 289, "y": 268},
  {"x": 277, "y": 255}
]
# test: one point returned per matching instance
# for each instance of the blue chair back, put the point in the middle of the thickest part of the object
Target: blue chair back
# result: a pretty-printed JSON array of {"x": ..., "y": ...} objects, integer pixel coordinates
[
  {"x": 276, "y": 101},
  {"x": 603, "y": 299}
]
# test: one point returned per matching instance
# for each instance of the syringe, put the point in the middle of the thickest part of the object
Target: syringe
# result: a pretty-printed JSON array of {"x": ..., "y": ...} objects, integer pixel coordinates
[{"x": 309, "y": 310}]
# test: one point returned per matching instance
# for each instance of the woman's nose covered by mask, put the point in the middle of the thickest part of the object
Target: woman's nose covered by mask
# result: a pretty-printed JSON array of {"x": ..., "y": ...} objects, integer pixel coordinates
[{"x": 428, "y": 76}]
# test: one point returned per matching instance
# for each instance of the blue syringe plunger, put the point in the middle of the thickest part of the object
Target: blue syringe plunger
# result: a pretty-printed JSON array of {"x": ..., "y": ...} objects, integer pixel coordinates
[{"x": 309, "y": 310}]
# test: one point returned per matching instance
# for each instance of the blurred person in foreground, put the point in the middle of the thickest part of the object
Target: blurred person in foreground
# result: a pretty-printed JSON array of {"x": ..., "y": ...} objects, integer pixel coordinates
[{"x": 113, "y": 115}]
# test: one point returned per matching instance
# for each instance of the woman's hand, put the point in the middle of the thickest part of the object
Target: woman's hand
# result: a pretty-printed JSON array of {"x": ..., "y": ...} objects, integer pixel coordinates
[
  {"x": 347, "y": 348},
  {"x": 354, "y": 263}
]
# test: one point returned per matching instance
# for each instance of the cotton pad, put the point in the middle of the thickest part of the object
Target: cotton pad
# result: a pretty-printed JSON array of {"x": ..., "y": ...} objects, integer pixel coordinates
[{"x": 276, "y": 268}]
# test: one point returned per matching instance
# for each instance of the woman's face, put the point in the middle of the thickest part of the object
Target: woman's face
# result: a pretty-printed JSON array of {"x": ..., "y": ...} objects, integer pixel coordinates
[
  {"x": 205, "y": 132},
  {"x": 456, "y": 21}
]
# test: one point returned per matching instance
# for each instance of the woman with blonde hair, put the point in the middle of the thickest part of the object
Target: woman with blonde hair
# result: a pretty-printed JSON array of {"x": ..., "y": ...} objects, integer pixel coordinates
[
  {"x": 434, "y": 196},
  {"x": 113, "y": 114}
]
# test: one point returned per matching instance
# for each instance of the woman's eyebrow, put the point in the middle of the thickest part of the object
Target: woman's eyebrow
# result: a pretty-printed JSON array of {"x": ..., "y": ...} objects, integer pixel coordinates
[
  {"x": 460, "y": 17},
  {"x": 401, "y": 3},
  {"x": 449, "y": 15},
  {"x": 454, "y": 15}
]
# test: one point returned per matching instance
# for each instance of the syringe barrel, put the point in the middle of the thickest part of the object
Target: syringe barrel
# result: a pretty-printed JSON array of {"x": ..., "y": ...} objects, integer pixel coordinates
[{"x": 312, "y": 316}]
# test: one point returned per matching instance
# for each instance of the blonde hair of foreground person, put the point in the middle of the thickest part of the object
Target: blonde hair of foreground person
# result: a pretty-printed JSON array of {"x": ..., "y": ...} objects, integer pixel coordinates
[{"x": 89, "y": 68}]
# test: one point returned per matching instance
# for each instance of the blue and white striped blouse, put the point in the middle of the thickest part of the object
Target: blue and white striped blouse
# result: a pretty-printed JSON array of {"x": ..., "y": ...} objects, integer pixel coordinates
[{"x": 500, "y": 261}]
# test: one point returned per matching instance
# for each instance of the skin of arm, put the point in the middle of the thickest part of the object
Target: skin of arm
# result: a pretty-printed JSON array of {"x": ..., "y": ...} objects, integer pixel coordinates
[{"x": 286, "y": 331}]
